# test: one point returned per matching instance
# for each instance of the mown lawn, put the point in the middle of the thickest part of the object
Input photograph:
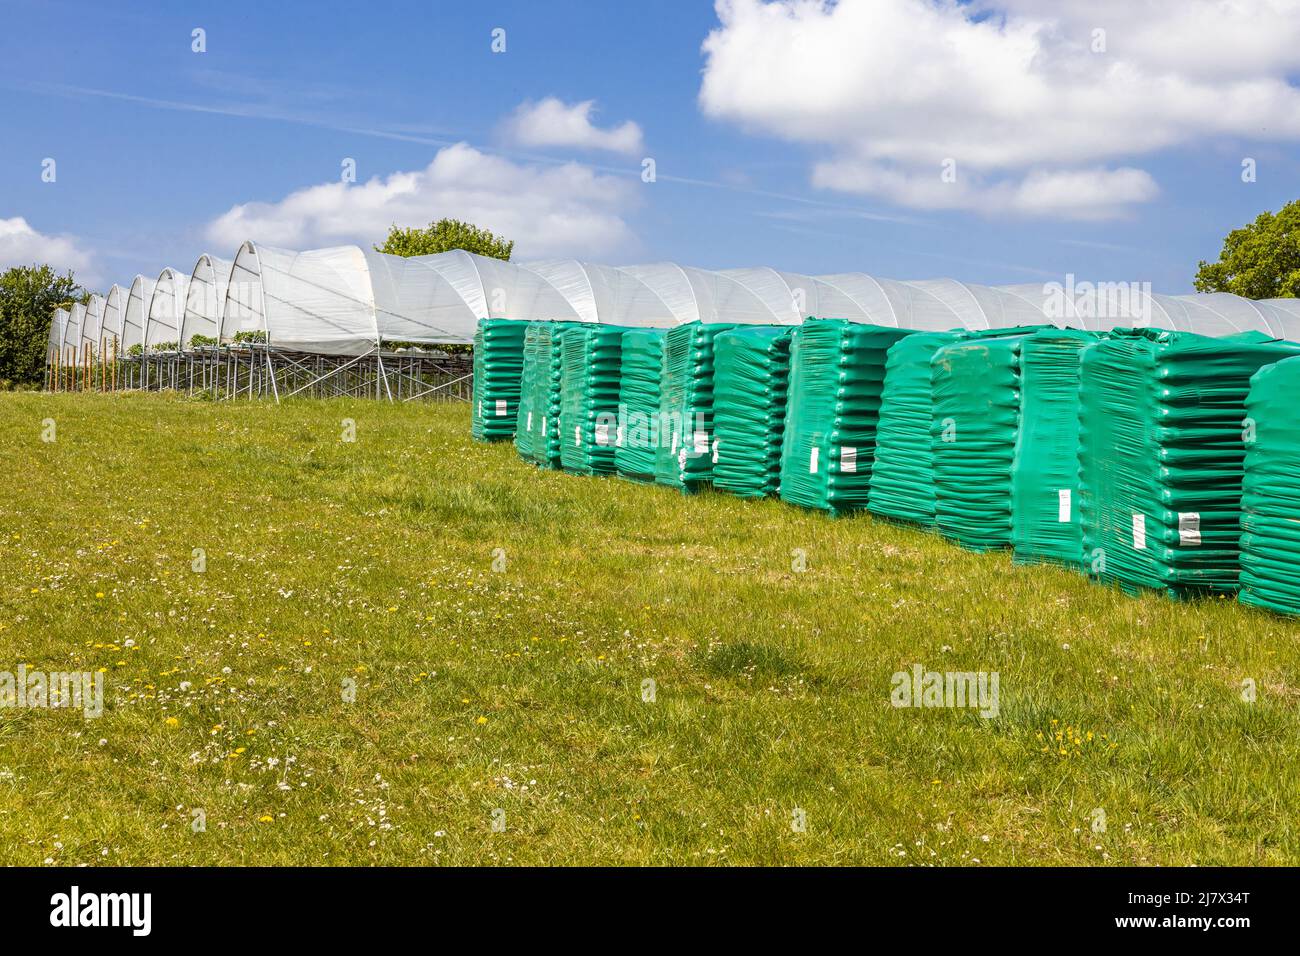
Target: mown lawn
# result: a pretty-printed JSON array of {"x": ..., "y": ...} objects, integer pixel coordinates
[{"x": 515, "y": 694}]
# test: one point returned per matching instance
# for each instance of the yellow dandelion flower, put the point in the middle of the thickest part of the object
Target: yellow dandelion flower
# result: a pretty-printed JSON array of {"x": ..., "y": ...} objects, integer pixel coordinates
[
  {"x": 481, "y": 720},
  {"x": 172, "y": 722}
]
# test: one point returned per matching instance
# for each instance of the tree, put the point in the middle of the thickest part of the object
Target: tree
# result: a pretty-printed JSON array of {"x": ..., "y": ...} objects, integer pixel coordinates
[
  {"x": 28, "y": 297},
  {"x": 443, "y": 236},
  {"x": 1259, "y": 261}
]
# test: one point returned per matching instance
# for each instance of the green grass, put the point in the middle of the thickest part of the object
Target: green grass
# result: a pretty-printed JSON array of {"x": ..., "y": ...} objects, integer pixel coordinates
[{"x": 521, "y": 689}]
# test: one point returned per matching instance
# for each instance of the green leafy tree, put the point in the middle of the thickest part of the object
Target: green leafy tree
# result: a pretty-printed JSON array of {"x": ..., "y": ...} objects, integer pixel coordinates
[
  {"x": 1259, "y": 261},
  {"x": 28, "y": 297},
  {"x": 443, "y": 236}
]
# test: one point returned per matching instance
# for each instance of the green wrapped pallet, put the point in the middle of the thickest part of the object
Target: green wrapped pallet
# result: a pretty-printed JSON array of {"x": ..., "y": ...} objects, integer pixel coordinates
[
  {"x": 1045, "y": 523},
  {"x": 638, "y": 403},
  {"x": 902, "y": 476},
  {"x": 498, "y": 365},
  {"x": 837, "y": 372},
  {"x": 538, "y": 435},
  {"x": 528, "y": 433},
  {"x": 684, "y": 453},
  {"x": 751, "y": 374},
  {"x": 1270, "y": 491},
  {"x": 976, "y": 387},
  {"x": 1161, "y": 457},
  {"x": 589, "y": 398}
]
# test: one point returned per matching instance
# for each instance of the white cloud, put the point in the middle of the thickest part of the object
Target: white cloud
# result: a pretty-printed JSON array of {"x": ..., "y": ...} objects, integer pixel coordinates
[
  {"x": 1036, "y": 120},
  {"x": 563, "y": 210},
  {"x": 551, "y": 122},
  {"x": 21, "y": 245}
]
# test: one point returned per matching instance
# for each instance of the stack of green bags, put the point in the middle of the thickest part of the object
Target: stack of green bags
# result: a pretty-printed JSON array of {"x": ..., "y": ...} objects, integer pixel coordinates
[
  {"x": 1270, "y": 491},
  {"x": 498, "y": 365},
  {"x": 1161, "y": 453},
  {"x": 751, "y": 375},
  {"x": 837, "y": 374},
  {"x": 684, "y": 456},
  {"x": 976, "y": 388},
  {"x": 1045, "y": 523},
  {"x": 589, "y": 398},
  {"x": 902, "y": 477},
  {"x": 638, "y": 403}
]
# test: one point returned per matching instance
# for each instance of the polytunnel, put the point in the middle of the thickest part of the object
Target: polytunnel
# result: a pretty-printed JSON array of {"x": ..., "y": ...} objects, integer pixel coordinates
[
  {"x": 605, "y": 294},
  {"x": 72, "y": 330},
  {"x": 166, "y": 307},
  {"x": 57, "y": 324},
  {"x": 137, "y": 310},
  {"x": 698, "y": 295},
  {"x": 496, "y": 289},
  {"x": 92, "y": 327},
  {"x": 978, "y": 307},
  {"x": 891, "y": 303},
  {"x": 114, "y": 315},
  {"x": 792, "y": 297},
  {"x": 347, "y": 301},
  {"x": 204, "y": 298},
  {"x": 1288, "y": 316}
]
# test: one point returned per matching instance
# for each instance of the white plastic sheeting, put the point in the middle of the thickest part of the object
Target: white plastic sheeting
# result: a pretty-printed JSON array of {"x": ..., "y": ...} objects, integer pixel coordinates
[
  {"x": 495, "y": 289},
  {"x": 72, "y": 331},
  {"x": 204, "y": 299},
  {"x": 600, "y": 293},
  {"x": 698, "y": 295},
  {"x": 136, "y": 314},
  {"x": 57, "y": 325},
  {"x": 93, "y": 324},
  {"x": 347, "y": 301},
  {"x": 891, "y": 303},
  {"x": 114, "y": 315},
  {"x": 166, "y": 307}
]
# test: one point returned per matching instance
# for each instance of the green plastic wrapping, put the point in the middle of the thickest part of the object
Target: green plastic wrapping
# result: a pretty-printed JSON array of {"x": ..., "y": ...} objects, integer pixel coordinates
[
  {"x": 1270, "y": 491},
  {"x": 976, "y": 387},
  {"x": 684, "y": 453},
  {"x": 538, "y": 436},
  {"x": 528, "y": 431},
  {"x": 837, "y": 373},
  {"x": 1045, "y": 525},
  {"x": 638, "y": 403},
  {"x": 1161, "y": 455},
  {"x": 751, "y": 375},
  {"x": 498, "y": 365},
  {"x": 589, "y": 398},
  {"x": 902, "y": 476}
]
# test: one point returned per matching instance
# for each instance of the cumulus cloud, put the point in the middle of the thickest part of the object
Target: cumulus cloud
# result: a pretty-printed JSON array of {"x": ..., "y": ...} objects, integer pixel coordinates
[
  {"x": 21, "y": 245},
  {"x": 564, "y": 210},
  {"x": 1036, "y": 111},
  {"x": 551, "y": 122}
]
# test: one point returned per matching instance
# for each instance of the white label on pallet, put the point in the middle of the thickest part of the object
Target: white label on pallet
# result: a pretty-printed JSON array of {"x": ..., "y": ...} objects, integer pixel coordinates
[
  {"x": 673, "y": 449},
  {"x": 1189, "y": 528},
  {"x": 715, "y": 451},
  {"x": 701, "y": 443},
  {"x": 577, "y": 436},
  {"x": 812, "y": 461},
  {"x": 1139, "y": 532},
  {"x": 1063, "y": 505},
  {"x": 618, "y": 437},
  {"x": 602, "y": 433},
  {"x": 501, "y": 407},
  {"x": 529, "y": 426},
  {"x": 848, "y": 460},
  {"x": 543, "y": 424}
]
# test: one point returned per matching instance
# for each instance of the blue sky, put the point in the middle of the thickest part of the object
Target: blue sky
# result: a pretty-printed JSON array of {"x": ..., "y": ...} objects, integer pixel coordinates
[{"x": 793, "y": 158}]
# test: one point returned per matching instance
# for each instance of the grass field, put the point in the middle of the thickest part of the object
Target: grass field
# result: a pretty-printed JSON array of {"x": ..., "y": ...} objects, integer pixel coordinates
[{"x": 506, "y": 685}]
